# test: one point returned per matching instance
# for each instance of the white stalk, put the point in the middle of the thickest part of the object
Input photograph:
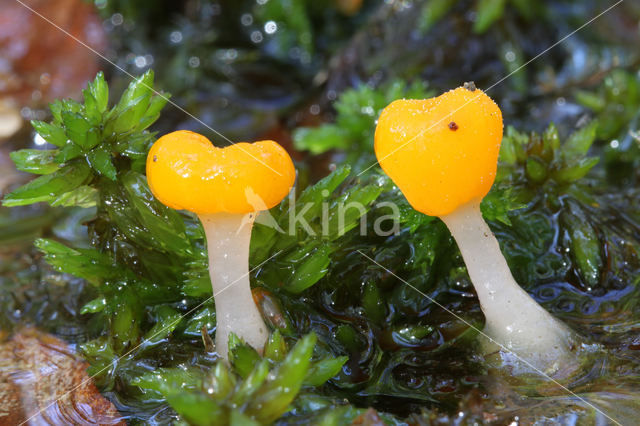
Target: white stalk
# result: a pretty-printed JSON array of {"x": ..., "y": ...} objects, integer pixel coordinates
[
  {"x": 513, "y": 318},
  {"x": 228, "y": 237}
]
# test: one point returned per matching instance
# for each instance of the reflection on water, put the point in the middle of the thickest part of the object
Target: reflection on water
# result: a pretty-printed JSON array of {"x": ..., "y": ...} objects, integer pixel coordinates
[
  {"x": 43, "y": 382},
  {"x": 604, "y": 387}
]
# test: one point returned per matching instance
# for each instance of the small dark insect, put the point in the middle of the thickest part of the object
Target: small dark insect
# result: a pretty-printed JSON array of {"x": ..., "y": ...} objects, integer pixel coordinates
[
  {"x": 470, "y": 86},
  {"x": 453, "y": 126},
  {"x": 155, "y": 158}
]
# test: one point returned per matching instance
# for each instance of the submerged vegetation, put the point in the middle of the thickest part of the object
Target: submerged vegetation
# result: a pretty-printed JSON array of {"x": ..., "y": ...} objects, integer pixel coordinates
[{"x": 125, "y": 278}]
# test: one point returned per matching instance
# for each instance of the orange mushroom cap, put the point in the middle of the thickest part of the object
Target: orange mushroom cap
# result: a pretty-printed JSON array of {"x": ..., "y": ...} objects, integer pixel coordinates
[
  {"x": 441, "y": 152},
  {"x": 186, "y": 172}
]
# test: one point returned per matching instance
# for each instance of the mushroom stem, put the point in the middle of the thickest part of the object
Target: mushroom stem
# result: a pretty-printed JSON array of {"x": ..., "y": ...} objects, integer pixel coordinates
[
  {"x": 513, "y": 318},
  {"x": 228, "y": 237}
]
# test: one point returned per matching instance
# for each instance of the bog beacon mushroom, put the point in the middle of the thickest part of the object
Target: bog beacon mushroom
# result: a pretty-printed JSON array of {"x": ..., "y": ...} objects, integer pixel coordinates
[
  {"x": 225, "y": 188},
  {"x": 442, "y": 154}
]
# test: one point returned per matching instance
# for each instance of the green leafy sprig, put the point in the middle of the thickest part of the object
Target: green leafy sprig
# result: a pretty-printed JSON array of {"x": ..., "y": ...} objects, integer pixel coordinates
[
  {"x": 88, "y": 138},
  {"x": 543, "y": 158},
  {"x": 254, "y": 389}
]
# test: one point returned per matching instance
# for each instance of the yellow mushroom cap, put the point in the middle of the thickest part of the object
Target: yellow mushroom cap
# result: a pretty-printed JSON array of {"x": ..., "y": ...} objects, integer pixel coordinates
[
  {"x": 441, "y": 152},
  {"x": 186, "y": 172}
]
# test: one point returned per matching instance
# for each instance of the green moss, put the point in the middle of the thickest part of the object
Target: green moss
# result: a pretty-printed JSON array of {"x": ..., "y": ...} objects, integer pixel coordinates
[{"x": 259, "y": 390}]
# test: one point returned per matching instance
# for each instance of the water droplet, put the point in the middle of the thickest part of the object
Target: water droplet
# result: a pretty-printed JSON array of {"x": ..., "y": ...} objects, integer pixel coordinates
[
  {"x": 194, "y": 62},
  {"x": 140, "y": 61},
  {"x": 117, "y": 19},
  {"x": 270, "y": 27},
  {"x": 510, "y": 56},
  {"x": 246, "y": 19},
  {"x": 256, "y": 37},
  {"x": 175, "y": 37}
]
